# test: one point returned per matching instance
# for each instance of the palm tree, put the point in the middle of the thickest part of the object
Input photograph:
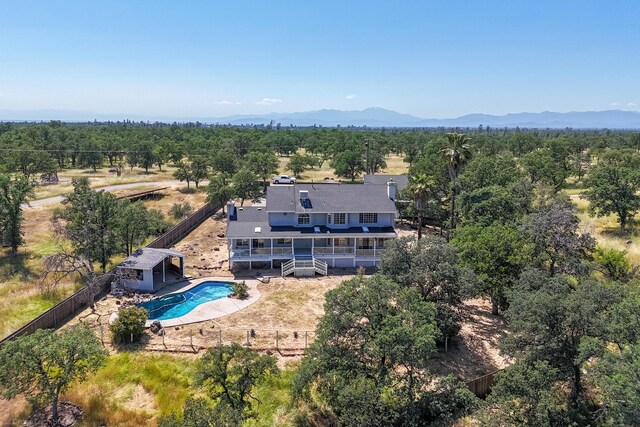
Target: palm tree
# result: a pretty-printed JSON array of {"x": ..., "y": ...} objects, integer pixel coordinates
[
  {"x": 420, "y": 189},
  {"x": 456, "y": 153}
]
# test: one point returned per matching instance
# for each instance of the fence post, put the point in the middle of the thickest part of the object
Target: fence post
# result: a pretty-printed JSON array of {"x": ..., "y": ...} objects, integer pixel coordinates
[
  {"x": 163, "y": 334},
  {"x": 277, "y": 337},
  {"x": 248, "y": 333},
  {"x": 191, "y": 336},
  {"x": 305, "y": 339},
  {"x": 132, "y": 337},
  {"x": 220, "y": 337},
  {"x": 101, "y": 334},
  {"x": 55, "y": 321}
]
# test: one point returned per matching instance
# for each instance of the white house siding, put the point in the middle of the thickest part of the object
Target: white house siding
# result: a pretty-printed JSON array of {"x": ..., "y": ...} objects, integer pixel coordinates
[{"x": 319, "y": 219}]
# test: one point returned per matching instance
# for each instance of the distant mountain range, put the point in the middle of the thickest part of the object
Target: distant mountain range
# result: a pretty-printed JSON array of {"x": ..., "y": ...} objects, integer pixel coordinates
[{"x": 372, "y": 117}]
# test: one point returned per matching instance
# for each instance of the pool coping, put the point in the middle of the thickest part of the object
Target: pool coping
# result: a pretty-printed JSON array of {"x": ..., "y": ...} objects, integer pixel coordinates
[{"x": 212, "y": 309}]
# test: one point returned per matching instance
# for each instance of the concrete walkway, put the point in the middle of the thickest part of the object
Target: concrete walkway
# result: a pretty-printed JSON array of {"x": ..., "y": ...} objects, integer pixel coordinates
[{"x": 209, "y": 310}]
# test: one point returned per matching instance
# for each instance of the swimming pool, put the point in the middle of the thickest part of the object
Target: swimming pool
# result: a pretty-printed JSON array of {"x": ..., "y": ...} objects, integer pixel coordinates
[{"x": 178, "y": 304}]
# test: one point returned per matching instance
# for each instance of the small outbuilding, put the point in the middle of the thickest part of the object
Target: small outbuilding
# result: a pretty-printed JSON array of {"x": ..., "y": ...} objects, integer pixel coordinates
[{"x": 149, "y": 269}]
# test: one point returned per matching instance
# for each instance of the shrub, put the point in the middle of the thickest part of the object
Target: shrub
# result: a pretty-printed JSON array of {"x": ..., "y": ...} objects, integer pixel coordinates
[
  {"x": 179, "y": 210},
  {"x": 240, "y": 290},
  {"x": 129, "y": 326}
]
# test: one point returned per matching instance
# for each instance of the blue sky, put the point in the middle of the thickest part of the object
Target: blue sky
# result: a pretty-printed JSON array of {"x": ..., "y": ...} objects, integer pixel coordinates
[{"x": 218, "y": 58}]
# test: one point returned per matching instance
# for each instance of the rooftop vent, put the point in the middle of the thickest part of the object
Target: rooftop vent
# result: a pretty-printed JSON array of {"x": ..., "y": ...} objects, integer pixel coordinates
[
  {"x": 240, "y": 209},
  {"x": 259, "y": 209},
  {"x": 257, "y": 230},
  {"x": 304, "y": 194}
]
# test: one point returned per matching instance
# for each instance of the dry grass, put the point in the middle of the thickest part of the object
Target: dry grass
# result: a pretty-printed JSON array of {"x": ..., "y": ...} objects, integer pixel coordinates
[
  {"x": 101, "y": 178},
  {"x": 606, "y": 230},
  {"x": 20, "y": 298}
]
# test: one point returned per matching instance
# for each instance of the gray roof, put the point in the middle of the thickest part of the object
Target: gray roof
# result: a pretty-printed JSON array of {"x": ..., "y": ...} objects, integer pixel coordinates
[
  {"x": 243, "y": 225},
  {"x": 330, "y": 198},
  {"x": 147, "y": 258},
  {"x": 401, "y": 180}
]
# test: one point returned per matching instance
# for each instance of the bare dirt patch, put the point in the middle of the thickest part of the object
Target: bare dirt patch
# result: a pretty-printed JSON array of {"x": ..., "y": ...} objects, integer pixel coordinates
[{"x": 476, "y": 351}]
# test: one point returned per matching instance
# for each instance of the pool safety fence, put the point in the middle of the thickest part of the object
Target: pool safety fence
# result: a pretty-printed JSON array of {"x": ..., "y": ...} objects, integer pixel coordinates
[{"x": 195, "y": 338}]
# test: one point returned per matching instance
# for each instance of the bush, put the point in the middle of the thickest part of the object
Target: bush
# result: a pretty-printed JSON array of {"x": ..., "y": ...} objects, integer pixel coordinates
[
  {"x": 179, "y": 210},
  {"x": 129, "y": 326},
  {"x": 240, "y": 290}
]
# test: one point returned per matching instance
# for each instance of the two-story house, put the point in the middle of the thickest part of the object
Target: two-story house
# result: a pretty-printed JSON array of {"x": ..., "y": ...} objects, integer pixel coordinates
[{"x": 307, "y": 228}]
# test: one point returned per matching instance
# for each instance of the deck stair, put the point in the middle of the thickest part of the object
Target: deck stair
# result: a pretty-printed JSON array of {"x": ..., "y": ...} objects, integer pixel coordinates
[{"x": 304, "y": 267}]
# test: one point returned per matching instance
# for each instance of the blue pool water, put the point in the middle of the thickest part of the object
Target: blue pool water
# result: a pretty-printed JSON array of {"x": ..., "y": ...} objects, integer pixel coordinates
[{"x": 178, "y": 304}]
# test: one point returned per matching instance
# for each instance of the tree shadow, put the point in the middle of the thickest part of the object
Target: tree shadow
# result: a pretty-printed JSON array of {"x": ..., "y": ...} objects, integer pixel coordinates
[
  {"x": 190, "y": 190},
  {"x": 11, "y": 265},
  {"x": 618, "y": 234}
]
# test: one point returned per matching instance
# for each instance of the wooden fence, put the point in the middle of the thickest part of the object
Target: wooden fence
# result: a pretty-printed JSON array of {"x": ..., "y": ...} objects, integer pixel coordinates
[
  {"x": 59, "y": 313},
  {"x": 180, "y": 230},
  {"x": 481, "y": 387}
]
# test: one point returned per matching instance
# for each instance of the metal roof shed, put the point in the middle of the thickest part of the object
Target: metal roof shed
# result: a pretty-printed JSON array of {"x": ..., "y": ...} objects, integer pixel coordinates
[{"x": 148, "y": 269}]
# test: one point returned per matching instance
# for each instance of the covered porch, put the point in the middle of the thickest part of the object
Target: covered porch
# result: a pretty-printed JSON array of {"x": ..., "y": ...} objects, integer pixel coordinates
[{"x": 337, "y": 251}]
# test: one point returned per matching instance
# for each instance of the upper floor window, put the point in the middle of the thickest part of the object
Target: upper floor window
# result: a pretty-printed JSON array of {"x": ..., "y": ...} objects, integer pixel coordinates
[
  {"x": 242, "y": 243},
  {"x": 303, "y": 219},
  {"x": 340, "y": 218},
  {"x": 368, "y": 218}
]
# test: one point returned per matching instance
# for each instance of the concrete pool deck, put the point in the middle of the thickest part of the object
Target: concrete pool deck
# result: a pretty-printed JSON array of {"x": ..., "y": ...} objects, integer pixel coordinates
[{"x": 212, "y": 309}]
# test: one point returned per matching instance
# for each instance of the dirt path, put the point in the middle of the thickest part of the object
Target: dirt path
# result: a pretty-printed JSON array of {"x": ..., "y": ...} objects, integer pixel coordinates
[{"x": 58, "y": 199}]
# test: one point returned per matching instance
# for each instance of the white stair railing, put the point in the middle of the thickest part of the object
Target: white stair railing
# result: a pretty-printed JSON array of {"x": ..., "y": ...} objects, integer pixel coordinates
[
  {"x": 288, "y": 267},
  {"x": 320, "y": 266},
  {"x": 317, "y": 265}
]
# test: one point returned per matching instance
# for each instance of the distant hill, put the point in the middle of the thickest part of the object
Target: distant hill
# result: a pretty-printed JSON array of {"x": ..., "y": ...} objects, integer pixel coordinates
[{"x": 372, "y": 117}]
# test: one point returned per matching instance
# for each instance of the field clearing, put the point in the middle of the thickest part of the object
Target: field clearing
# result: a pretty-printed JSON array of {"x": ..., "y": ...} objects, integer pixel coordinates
[
  {"x": 101, "y": 178},
  {"x": 395, "y": 165},
  {"x": 606, "y": 230}
]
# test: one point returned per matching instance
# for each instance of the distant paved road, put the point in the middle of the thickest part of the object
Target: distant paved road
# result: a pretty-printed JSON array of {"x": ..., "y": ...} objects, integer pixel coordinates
[{"x": 58, "y": 199}]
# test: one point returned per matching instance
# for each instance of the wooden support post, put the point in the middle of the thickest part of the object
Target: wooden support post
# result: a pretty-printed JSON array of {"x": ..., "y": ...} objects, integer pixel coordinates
[
  {"x": 305, "y": 339},
  {"x": 163, "y": 334},
  {"x": 248, "y": 333},
  {"x": 220, "y": 337},
  {"x": 277, "y": 338},
  {"x": 446, "y": 344},
  {"x": 191, "y": 337},
  {"x": 101, "y": 334}
]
